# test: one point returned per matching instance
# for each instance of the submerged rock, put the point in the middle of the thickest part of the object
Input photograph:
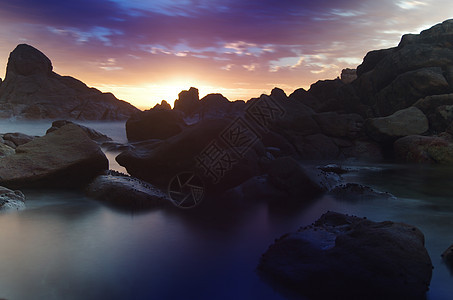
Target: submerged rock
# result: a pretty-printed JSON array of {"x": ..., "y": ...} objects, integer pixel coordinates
[
  {"x": 11, "y": 200},
  {"x": 66, "y": 157},
  {"x": 347, "y": 257},
  {"x": 126, "y": 192}
]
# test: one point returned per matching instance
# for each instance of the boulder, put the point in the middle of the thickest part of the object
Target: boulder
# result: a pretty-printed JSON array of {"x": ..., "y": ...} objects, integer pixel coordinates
[
  {"x": 126, "y": 192},
  {"x": 437, "y": 109},
  {"x": 154, "y": 124},
  {"x": 408, "y": 87},
  {"x": 66, "y": 157},
  {"x": 96, "y": 136},
  {"x": 201, "y": 149},
  {"x": 424, "y": 149},
  {"x": 31, "y": 90},
  {"x": 404, "y": 122},
  {"x": 287, "y": 175},
  {"x": 347, "y": 257},
  {"x": 11, "y": 200}
]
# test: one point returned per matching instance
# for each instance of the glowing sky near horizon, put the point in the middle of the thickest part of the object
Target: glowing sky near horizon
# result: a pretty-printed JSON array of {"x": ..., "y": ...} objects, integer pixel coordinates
[{"x": 146, "y": 51}]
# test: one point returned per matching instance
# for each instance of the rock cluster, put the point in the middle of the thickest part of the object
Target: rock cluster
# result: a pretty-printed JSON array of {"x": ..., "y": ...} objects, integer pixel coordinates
[{"x": 31, "y": 90}]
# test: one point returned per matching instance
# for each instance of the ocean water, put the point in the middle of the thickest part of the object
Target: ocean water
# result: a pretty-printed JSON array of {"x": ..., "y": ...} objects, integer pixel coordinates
[{"x": 67, "y": 246}]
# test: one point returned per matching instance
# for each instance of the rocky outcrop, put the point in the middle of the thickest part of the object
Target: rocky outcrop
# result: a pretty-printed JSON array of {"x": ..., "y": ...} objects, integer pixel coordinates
[
  {"x": 11, "y": 200},
  {"x": 125, "y": 192},
  {"x": 154, "y": 124},
  {"x": 31, "y": 90},
  {"x": 66, "y": 157},
  {"x": 188, "y": 101},
  {"x": 404, "y": 122},
  {"x": 6, "y": 150},
  {"x": 199, "y": 148},
  {"x": 348, "y": 75},
  {"x": 347, "y": 257},
  {"x": 395, "y": 78},
  {"x": 16, "y": 139}
]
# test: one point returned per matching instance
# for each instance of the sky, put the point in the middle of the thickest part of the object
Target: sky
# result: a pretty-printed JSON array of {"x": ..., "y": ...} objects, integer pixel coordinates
[{"x": 147, "y": 51}]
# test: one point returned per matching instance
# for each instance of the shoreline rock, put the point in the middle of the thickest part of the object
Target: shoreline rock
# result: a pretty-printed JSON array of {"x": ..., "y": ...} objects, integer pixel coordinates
[{"x": 346, "y": 257}]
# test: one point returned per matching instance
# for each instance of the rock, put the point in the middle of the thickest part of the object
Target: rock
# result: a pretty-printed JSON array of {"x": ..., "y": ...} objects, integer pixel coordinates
[
  {"x": 216, "y": 106},
  {"x": 188, "y": 101},
  {"x": 339, "y": 125},
  {"x": 66, "y": 157},
  {"x": 316, "y": 146},
  {"x": 286, "y": 174},
  {"x": 334, "y": 168},
  {"x": 408, "y": 87},
  {"x": 447, "y": 257},
  {"x": 6, "y": 150},
  {"x": 163, "y": 105},
  {"x": 348, "y": 75},
  {"x": 278, "y": 95},
  {"x": 92, "y": 134},
  {"x": 154, "y": 124},
  {"x": 304, "y": 97},
  {"x": 437, "y": 109},
  {"x": 31, "y": 90},
  {"x": 200, "y": 148},
  {"x": 363, "y": 149},
  {"x": 424, "y": 149},
  {"x": 347, "y": 257},
  {"x": 418, "y": 67},
  {"x": 404, "y": 122},
  {"x": 18, "y": 138},
  {"x": 126, "y": 192},
  {"x": 11, "y": 200}
]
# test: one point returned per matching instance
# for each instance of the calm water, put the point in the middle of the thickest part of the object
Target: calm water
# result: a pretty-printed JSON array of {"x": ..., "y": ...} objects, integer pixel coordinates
[{"x": 66, "y": 246}]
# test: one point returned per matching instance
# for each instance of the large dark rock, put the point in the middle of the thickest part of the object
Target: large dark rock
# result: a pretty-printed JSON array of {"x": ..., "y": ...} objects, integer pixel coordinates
[
  {"x": 408, "y": 87},
  {"x": 404, "y": 122},
  {"x": 66, "y": 157},
  {"x": 31, "y": 90},
  {"x": 287, "y": 175},
  {"x": 346, "y": 257},
  {"x": 199, "y": 149},
  {"x": 154, "y": 124}
]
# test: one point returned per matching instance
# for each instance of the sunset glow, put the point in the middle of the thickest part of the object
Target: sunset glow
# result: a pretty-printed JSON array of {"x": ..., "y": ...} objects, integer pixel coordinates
[{"x": 147, "y": 51}]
